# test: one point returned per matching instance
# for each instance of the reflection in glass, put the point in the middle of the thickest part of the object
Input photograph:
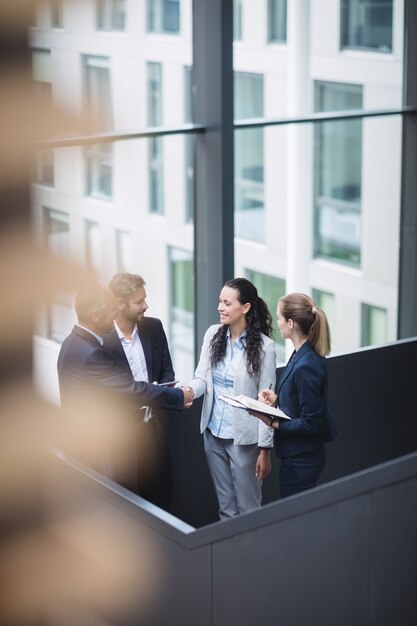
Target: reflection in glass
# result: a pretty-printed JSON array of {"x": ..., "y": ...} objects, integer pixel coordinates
[
  {"x": 338, "y": 176},
  {"x": 367, "y": 24},
  {"x": 249, "y": 158}
]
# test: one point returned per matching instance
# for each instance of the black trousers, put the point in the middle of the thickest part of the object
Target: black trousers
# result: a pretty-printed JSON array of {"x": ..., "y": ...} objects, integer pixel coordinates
[{"x": 301, "y": 471}]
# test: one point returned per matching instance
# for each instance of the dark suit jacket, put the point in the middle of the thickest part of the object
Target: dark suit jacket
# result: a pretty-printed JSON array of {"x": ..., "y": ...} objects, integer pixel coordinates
[
  {"x": 155, "y": 348},
  {"x": 302, "y": 395},
  {"x": 85, "y": 368}
]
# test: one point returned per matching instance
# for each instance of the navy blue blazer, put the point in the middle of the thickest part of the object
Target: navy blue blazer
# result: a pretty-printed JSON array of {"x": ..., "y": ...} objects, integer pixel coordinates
[
  {"x": 302, "y": 395},
  {"x": 86, "y": 368},
  {"x": 155, "y": 348}
]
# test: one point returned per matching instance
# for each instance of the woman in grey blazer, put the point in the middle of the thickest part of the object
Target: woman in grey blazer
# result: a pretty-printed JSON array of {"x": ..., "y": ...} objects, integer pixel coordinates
[{"x": 237, "y": 357}]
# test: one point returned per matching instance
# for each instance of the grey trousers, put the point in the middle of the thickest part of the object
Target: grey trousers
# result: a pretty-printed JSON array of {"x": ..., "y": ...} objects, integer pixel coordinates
[{"x": 232, "y": 469}]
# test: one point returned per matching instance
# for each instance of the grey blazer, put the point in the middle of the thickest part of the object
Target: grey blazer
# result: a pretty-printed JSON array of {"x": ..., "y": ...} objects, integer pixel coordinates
[{"x": 248, "y": 429}]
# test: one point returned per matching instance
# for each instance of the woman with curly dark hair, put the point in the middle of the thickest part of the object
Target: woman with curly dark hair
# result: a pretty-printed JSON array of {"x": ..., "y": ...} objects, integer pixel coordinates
[{"x": 237, "y": 357}]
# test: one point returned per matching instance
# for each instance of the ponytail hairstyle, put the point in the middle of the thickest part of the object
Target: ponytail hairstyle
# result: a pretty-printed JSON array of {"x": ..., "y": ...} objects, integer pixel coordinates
[
  {"x": 258, "y": 319},
  {"x": 311, "y": 320}
]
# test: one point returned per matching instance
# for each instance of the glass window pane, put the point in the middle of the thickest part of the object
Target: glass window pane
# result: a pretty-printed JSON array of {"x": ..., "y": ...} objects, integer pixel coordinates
[
  {"x": 326, "y": 302},
  {"x": 57, "y": 238},
  {"x": 163, "y": 16},
  {"x": 277, "y": 21},
  {"x": 125, "y": 84},
  {"x": 99, "y": 170},
  {"x": 56, "y": 9},
  {"x": 367, "y": 24},
  {"x": 237, "y": 19},
  {"x": 249, "y": 158},
  {"x": 111, "y": 14},
  {"x": 124, "y": 251},
  {"x": 44, "y": 167},
  {"x": 374, "y": 325},
  {"x": 182, "y": 312},
  {"x": 189, "y": 143},
  {"x": 270, "y": 289},
  {"x": 93, "y": 245},
  {"x": 338, "y": 182}
]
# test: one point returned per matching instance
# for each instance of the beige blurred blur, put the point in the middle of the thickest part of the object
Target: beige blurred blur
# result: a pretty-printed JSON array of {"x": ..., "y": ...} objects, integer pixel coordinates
[{"x": 57, "y": 558}]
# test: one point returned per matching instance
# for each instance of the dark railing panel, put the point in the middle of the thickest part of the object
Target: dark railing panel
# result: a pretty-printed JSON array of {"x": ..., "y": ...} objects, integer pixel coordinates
[
  {"x": 373, "y": 399},
  {"x": 344, "y": 553}
]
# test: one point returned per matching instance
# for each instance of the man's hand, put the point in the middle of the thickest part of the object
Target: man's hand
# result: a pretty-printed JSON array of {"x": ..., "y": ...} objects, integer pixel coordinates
[
  {"x": 189, "y": 396},
  {"x": 263, "y": 464}
]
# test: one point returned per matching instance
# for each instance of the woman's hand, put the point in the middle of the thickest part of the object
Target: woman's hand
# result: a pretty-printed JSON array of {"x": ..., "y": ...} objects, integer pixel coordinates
[
  {"x": 263, "y": 464},
  {"x": 267, "y": 396}
]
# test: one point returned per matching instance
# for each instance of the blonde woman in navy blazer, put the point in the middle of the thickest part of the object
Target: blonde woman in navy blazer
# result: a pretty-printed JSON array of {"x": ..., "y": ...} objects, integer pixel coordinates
[
  {"x": 301, "y": 394},
  {"x": 237, "y": 357}
]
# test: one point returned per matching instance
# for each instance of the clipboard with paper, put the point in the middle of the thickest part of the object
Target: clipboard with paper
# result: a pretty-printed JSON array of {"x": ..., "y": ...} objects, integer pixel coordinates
[{"x": 249, "y": 404}]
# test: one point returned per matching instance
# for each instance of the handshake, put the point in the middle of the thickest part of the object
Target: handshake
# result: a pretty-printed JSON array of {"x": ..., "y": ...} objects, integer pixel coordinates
[{"x": 189, "y": 396}]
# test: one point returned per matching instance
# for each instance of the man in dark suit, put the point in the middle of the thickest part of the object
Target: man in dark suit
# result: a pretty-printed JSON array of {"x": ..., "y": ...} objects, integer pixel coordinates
[
  {"x": 89, "y": 374},
  {"x": 140, "y": 346}
]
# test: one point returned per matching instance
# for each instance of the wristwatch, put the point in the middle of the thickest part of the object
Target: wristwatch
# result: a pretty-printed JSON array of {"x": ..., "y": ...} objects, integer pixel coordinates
[{"x": 272, "y": 420}]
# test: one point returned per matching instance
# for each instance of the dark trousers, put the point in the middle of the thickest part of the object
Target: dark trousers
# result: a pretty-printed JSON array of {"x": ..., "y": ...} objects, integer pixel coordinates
[
  {"x": 301, "y": 472},
  {"x": 148, "y": 471}
]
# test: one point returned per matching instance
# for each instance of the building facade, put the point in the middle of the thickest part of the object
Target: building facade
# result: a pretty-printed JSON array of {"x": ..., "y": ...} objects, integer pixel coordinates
[{"x": 317, "y": 205}]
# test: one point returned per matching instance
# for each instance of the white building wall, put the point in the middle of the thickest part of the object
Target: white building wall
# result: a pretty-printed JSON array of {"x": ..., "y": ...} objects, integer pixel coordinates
[{"x": 380, "y": 75}]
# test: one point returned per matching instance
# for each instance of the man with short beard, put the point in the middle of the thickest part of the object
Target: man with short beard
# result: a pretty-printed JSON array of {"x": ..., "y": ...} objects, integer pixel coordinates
[{"x": 140, "y": 346}]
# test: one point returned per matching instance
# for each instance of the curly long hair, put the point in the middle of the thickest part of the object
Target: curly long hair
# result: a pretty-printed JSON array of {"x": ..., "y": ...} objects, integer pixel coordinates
[{"x": 258, "y": 319}]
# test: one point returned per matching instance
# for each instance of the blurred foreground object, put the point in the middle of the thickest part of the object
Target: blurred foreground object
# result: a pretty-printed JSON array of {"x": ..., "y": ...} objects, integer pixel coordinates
[{"x": 52, "y": 565}]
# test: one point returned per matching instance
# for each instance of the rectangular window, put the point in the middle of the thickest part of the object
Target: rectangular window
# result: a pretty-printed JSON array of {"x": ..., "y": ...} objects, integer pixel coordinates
[
  {"x": 164, "y": 16},
  {"x": 189, "y": 146},
  {"x": 92, "y": 245},
  {"x": 249, "y": 158},
  {"x": 44, "y": 167},
  {"x": 237, "y": 20},
  {"x": 182, "y": 312},
  {"x": 57, "y": 240},
  {"x": 111, "y": 14},
  {"x": 124, "y": 251},
  {"x": 367, "y": 24},
  {"x": 338, "y": 176},
  {"x": 42, "y": 83},
  {"x": 56, "y": 13},
  {"x": 270, "y": 289},
  {"x": 326, "y": 302},
  {"x": 99, "y": 158},
  {"x": 374, "y": 325},
  {"x": 277, "y": 21},
  {"x": 99, "y": 170},
  {"x": 155, "y": 146}
]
